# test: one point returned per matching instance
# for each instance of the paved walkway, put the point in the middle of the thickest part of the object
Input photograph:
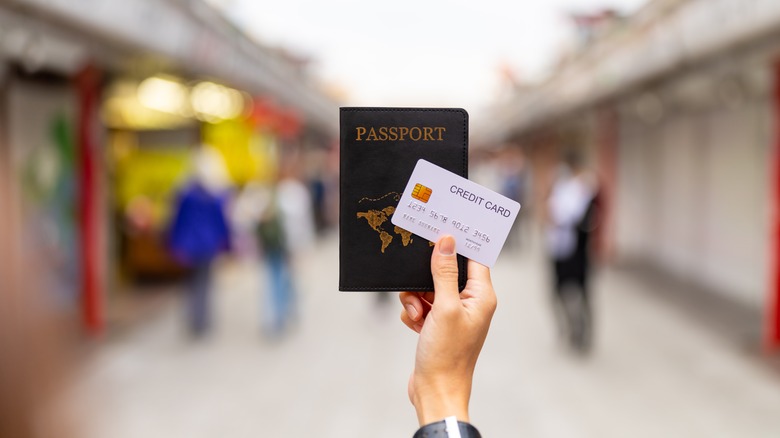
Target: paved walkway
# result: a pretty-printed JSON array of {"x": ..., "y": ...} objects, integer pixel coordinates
[{"x": 343, "y": 371}]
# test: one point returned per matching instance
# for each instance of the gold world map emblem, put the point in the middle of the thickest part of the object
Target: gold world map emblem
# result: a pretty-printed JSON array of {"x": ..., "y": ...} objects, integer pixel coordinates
[{"x": 379, "y": 220}]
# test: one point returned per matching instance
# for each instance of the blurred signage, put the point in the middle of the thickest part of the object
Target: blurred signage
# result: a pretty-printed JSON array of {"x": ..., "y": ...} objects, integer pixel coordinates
[{"x": 233, "y": 139}]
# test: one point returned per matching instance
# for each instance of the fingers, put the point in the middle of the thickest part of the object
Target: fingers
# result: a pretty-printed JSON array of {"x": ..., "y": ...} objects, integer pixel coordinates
[
  {"x": 414, "y": 310},
  {"x": 479, "y": 272},
  {"x": 427, "y": 299},
  {"x": 413, "y": 306},
  {"x": 414, "y": 325},
  {"x": 444, "y": 267}
]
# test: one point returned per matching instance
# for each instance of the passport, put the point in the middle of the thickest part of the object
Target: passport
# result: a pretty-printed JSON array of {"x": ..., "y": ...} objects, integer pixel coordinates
[{"x": 380, "y": 148}]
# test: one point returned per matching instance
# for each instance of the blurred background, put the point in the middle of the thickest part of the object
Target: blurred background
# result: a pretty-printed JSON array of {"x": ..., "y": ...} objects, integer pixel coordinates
[{"x": 169, "y": 214}]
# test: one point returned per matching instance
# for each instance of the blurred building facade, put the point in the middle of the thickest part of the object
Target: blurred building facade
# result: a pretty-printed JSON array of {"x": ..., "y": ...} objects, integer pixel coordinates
[
  {"x": 101, "y": 111},
  {"x": 677, "y": 109}
]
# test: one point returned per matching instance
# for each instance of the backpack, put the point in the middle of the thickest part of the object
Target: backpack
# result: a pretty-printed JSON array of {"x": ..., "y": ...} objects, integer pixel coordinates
[{"x": 270, "y": 231}]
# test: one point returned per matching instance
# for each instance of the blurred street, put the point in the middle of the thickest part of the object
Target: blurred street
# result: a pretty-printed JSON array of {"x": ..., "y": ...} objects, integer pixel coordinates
[
  {"x": 177, "y": 177},
  {"x": 342, "y": 371}
]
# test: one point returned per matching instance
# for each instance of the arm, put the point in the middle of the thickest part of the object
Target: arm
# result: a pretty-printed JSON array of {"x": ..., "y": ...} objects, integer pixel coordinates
[{"x": 452, "y": 328}]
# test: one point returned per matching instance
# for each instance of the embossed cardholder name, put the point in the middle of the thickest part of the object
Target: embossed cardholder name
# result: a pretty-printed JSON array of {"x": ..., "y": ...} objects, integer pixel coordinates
[{"x": 379, "y": 149}]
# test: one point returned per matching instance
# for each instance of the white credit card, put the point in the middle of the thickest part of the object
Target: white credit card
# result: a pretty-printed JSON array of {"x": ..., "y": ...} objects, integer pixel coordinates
[{"x": 437, "y": 202}]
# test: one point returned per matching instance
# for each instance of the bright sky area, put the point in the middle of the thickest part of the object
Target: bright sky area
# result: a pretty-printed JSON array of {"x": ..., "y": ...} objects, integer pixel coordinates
[{"x": 419, "y": 52}]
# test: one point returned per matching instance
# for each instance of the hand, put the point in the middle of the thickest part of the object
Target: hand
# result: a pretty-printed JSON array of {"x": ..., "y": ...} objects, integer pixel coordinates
[{"x": 452, "y": 328}]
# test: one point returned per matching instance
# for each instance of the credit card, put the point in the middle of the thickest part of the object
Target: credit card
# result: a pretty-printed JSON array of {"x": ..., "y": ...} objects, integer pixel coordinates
[{"x": 437, "y": 202}]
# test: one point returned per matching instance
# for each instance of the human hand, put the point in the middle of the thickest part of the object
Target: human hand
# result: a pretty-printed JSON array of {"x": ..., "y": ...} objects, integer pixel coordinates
[{"x": 452, "y": 328}]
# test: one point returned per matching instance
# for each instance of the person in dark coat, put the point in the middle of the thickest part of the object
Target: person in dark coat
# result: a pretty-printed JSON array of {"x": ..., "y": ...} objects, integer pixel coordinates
[{"x": 572, "y": 217}]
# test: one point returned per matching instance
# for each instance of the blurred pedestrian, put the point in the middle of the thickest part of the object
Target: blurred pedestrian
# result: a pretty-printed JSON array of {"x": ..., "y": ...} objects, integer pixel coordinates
[
  {"x": 318, "y": 195},
  {"x": 199, "y": 232},
  {"x": 295, "y": 204},
  {"x": 273, "y": 241},
  {"x": 285, "y": 230},
  {"x": 514, "y": 178},
  {"x": 571, "y": 219}
]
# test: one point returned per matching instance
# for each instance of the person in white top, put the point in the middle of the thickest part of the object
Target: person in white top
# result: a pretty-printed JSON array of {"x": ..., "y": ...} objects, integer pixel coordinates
[{"x": 572, "y": 210}]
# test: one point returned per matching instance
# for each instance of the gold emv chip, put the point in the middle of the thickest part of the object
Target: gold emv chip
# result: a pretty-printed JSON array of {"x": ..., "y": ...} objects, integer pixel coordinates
[{"x": 421, "y": 193}]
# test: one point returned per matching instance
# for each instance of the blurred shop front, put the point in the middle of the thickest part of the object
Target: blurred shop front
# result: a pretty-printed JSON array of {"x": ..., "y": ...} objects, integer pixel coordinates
[
  {"x": 51, "y": 151},
  {"x": 103, "y": 118},
  {"x": 676, "y": 109},
  {"x": 157, "y": 129},
  {"x": 44, "y": 176}
]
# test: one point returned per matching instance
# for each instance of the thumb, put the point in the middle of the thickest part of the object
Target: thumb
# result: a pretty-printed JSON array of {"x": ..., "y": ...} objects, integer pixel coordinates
[{"x": 444, "y": 267}]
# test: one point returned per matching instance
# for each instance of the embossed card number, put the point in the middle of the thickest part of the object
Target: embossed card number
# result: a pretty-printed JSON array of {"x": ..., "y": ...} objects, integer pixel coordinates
[{"x": 438, "y": 202}]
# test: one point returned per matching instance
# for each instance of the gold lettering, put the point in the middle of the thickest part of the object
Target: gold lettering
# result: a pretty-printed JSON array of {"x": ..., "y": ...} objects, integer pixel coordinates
[{"x": 400, "y": 133}]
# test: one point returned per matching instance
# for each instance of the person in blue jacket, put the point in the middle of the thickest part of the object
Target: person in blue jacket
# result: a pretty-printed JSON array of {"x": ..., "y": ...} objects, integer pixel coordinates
[{"x": 198, "y": 233}]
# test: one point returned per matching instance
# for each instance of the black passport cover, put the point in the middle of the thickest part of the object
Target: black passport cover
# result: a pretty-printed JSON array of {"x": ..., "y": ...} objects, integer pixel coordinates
[{"x": 379, "y": 149}]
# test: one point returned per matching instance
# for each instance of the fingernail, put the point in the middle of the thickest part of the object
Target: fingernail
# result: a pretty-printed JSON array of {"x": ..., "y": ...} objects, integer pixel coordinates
[
  {"x": 447, "y": 246},
  {"x": 412, "y": 312}
]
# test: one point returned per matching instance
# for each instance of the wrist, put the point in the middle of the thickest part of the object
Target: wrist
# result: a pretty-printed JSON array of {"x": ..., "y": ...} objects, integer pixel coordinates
[{"x": 434, "y": 403}]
